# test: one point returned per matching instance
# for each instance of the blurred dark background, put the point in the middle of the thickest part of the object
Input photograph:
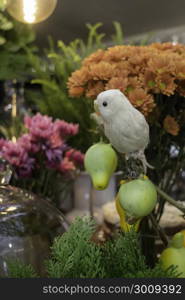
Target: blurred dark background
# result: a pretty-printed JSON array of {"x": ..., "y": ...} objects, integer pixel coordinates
[{"x": 136, "y": 16}]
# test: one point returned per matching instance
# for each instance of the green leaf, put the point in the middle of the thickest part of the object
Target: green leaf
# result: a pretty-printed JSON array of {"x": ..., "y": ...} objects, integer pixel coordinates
[
  {"x": 118, "y": 37},
  {"x": 2, "y": 40},
  {"x": 50, "y": 84}
]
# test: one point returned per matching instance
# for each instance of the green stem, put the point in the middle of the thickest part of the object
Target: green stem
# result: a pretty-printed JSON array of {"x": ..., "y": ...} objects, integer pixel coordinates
[
  {"x": 170, "y": 199},
  {"x": 91, "y": 204}
]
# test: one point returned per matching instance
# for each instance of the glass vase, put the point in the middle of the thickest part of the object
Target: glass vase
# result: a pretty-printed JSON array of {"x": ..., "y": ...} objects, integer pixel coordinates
[{"x": 28, "y": 225}]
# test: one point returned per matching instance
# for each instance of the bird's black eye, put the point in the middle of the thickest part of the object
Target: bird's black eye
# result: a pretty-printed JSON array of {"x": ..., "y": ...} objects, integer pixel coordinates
[{"x": 105, "y": 103}]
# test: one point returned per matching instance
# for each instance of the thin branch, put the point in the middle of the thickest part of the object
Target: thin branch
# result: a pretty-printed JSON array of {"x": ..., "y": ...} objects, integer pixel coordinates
[
  {"x": 170, "y": 199},
  {"x": 159, "y": 230}
]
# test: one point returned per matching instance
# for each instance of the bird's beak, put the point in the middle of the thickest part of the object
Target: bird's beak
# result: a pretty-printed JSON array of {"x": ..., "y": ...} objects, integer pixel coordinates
[{"x": 96, "y": 108}]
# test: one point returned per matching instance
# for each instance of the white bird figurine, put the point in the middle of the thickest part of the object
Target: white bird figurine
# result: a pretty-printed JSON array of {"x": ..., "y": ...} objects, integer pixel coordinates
[{"x": 125, "y": 127}]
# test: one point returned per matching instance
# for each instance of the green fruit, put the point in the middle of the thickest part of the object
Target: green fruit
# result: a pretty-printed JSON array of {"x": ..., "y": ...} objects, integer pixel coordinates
[
  {"x": 175, "y": 255},
  {"x": 100, "y": 162},
  {"x": 138, "y": 197}
]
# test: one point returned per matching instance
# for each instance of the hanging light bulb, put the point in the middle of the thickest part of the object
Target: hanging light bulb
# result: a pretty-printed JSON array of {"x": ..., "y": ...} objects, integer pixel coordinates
[{"x": 31, "y": 11}]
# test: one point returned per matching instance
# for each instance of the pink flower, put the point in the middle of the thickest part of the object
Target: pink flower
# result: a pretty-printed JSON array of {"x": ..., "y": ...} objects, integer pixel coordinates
[
  {"x": 25, "y": 141},
  {"x": 18, "y": 158},
  {"x": 55, "y": 140},
  {"x": 65, "y": 129},
  {"x": 14, "y": 153},
  {"x": 76, "y": 156},
  {"x": 40, "y": 127},
  {"x": 43, "y": 146},
  {"x": 71, "y": 161},
  {"x": 66, "y": 166},
  {"x": 2, "y": 144}
]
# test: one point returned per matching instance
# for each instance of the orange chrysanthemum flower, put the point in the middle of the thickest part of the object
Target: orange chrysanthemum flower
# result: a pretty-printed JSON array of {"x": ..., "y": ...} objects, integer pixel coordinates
[
  {"x": 161, "y": 64},
  {"x": 134, "y": 82},
  {"x": 76, "y": 91},
  {"x": 118, "y": 53},
  {"x": 169, "y": 47},
  {"x": 79, "y": 78},
  {"x": 171, "y": 126},
  {"x": 149, "y": 80},
  {"x": 138, "y": 71},
  {"x": 141, "y": 100},
  {"x": 94, "y": 88},
  {"x": 180, "y": 69},
  {"x": 117, "y": 83},
  {"x": 166, "y": 84},
  {"x": 102, "y": 70},
  {"x": 122, "y": 69},
  {"x": 94, "y": 58}
]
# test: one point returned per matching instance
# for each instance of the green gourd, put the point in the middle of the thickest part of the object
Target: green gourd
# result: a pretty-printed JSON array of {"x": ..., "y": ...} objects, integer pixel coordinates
[
  {"x": 175, "y": 254},
  {"x": 100, "y": 162},
  {"x": 138, "y": 197}
]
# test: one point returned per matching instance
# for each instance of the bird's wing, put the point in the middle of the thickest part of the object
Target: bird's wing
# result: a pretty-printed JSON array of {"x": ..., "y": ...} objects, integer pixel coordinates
[{"x": 128, "y": 132}]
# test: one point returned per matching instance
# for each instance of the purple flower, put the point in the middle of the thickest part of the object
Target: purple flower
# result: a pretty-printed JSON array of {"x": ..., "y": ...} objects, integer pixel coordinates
[
  {"x": 40, "y": 127},
  {"x": 54, "y": 156},
  {"x": 26, "y": 168}
]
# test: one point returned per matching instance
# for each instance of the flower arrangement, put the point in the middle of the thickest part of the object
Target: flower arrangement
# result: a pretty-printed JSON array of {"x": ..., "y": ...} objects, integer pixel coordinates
[
  {"x": 138, "y": 71},
  {"x": 41, "y": 155},
  {"x": 153, "y": 79}
]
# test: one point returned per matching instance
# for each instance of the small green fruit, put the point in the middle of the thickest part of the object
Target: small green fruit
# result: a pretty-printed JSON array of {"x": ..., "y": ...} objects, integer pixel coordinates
[
  {"x": 100, "y": 162},
  {"x": 138, "y": 197},
  {"x": 175, "y": 255}
]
